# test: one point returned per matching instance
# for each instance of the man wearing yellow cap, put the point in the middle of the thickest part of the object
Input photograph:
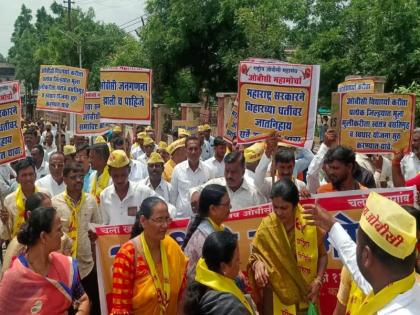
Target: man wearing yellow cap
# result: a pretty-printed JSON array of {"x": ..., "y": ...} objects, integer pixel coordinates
[
  {"x": 121, "y": 200},
  {"x": 178, "y": 154},
  {"x": 137, "y": 148},
  {"x": 182, "y": 133},
  {"x": 148, "y": 147},
  {"x": 154, "y": 180},
  {"x": 207, "y": 134},
  {"x": 206, "y": 150},
  {"x": 100, "y": 179},
  {"x": 382, "y": 263},
  {"x": 162, "y": 149}
]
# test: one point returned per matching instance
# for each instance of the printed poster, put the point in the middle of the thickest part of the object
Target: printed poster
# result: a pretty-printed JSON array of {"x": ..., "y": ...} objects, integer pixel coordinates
[
  {"x": 357, "y": 85},
  {"x": 62, "y": 89},
  {"x": 274, "y": 95},
  {"x": 12, "y": 146},
  {"x": 126, "y": 95},
  {"x": 89, "y": 123},
  {"x": 346, "y": 206}
]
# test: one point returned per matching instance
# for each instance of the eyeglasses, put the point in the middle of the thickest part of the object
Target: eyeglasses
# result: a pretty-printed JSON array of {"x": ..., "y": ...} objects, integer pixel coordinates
[{"x": 162, "y": 220}]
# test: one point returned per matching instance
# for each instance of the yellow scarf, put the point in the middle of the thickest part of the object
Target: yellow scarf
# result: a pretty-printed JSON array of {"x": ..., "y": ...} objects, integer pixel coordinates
[
  {"x": 100, "y": 184},
  {"x": 216, "y": 227},
  {"x": 218, "y": 282},
  {"x": 20, "y": 213},
  {"x": 356, "y": 298},
  {"x": 307, "y": 257},
  {"x": 74, "y": 220},
  {"x": 375, "y": 302},
  {"x": 163, "y": 295}
]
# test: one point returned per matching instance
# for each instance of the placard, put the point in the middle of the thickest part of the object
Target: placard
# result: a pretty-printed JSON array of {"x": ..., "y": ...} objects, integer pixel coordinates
[
  {"x": 377, "y": 122},
  {"x": 9, "y": 91},
  {"x": 189, "y": 125},
  {"x": 126, "y": 95},
  {"x": 62, "y": 89},
  {"x": 231, "y": 125},
  {"x": 89, "y": 123},
  {"x": 274, "y": 95},
  {"x": 357, "y": 85},
  {"x": 12, "y": 146}
]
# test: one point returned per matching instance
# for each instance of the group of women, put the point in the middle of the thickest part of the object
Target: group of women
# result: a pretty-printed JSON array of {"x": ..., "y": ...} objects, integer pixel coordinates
[{"x": 152, "y": 274}]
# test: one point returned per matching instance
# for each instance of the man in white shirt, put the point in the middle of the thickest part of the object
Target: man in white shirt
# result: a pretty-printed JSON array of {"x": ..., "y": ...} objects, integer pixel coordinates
[
  {"x": 382, "y": 261},
  {"x": 8, "y": 182},
  {"x": 186, "y": 175},
  {"x": 148, "y": 147},
  {"x": 410, "y": 164},
  {"x": 30, "y": 136},
  {"x": 41, "y": 166},
  {"x": 154, "y": 180},
  {"x": 100, "y": 178},
  {"x": 206, "y": 151},
  {"x": 209, "y": 137},
  {"x": 137, "y": 148},
  {"x": 216, "y": 162},
  {"x": 242, "y": 191},
  {"x": 49, "y": 146},
  {"x": 54, "y": 182},
  {"x": 120, "y": 201},
  {"x": 284, "y": 160}
]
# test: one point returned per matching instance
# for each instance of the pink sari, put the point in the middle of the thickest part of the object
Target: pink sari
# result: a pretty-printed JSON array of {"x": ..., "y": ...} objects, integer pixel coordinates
[{"x": 23, "y": 291}]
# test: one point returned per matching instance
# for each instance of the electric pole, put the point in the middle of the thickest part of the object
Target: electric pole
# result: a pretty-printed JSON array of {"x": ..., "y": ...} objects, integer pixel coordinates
[{"x": 69, "y": 3}]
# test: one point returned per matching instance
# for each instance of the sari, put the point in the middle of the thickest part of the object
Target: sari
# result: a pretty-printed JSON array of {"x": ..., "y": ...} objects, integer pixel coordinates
[
  {"x": 50, "y": 295},
  {"x": 291, "y": 259},
  {"x": 133, "y": 288}
]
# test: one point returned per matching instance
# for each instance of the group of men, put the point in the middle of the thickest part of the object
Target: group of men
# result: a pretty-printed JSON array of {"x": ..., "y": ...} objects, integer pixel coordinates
[{"x": 105, "y": 182}]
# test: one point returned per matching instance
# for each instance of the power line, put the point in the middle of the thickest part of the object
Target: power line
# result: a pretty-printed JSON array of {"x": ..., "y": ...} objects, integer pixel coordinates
[{"x": 139, "y": 17}]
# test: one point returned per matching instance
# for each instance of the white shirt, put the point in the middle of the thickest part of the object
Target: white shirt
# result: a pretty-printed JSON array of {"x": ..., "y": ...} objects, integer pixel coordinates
[
  {"x": 313, "y": 178},
  {"x": 407, "y": 303},
  {"x": 265, "y": 184},
  {"x": 115, "y": 211},
  {"x": 48, "y": 151},
  {"x": 163, "y": 189},
  {"x": 43, "y": 170},
  {"x": 136, "y": 151},
  {"x": 206, "y": 152},
  {"x": 143, "y": 158},
  {"x": 138, "y": 171},
  {"x": 410, "y": 166},
  {"x": 51, "y": 185},
  {"x": 183, "y": 179},
  {"x": 247, "y": 195},
  {"x": 217, "y": 167},
  {"x": 8, "y": 182},
  {"x": 385, "y": 175}
]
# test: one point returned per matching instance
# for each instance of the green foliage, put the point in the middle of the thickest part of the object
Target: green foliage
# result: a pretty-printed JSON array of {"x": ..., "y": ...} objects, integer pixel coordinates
[{"x": 414, "y": 88}]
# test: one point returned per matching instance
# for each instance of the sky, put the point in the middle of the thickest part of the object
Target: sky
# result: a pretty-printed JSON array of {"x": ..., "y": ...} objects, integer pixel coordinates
[{"x": 108, "y": 11}]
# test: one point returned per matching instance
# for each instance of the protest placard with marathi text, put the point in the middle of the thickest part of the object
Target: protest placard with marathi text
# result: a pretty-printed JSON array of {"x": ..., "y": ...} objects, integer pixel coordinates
[
  {"x": 373, "y": 123},
  {"x": 62, "y": 89},
  {"x": 12, "y": 146},
  {"x": 357, "y": 85},
  {"x": 126, "y": 95},
  {"x": 9, "y": 91},
  {"x": 189, "y": 125},
  {"x": 277, "y": 96},
  {"x": 231, "y": 125},
  {"x": 89, "y": 123},
  {"x": 346, "y": 207}
]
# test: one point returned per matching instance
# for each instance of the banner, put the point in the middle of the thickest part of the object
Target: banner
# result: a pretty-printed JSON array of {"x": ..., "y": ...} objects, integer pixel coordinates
[
  {"x": 12, "y": 146},
  {"x": 346, "y": 206},
  {"x": 9, "y": 91},
  {"x": 189, "y": 125},
  {"x": 231, "y": 125},
  {"x": 357, "y": 85},
  {"x": 62, "y": 89},
  {"x": 374, "y": 123},
  {"x": 126, "y": 95},
  {"x": 88, "y": 123},
  {"x": 274, "y": 95}
]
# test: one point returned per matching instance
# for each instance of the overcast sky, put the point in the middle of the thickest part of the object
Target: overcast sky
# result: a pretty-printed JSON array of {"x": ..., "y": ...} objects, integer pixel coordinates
[{"x": 109, "y": 11}]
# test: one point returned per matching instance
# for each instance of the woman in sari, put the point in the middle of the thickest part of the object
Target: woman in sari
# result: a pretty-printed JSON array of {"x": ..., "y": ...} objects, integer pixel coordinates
[
  {"x": 213, "y": 209},
  {"x": 14, "y": 248},
  {"x": 149, "y": 269},
  {"x": 214, "y": 291},
  {"x": 288, "y": 258},
  {"x": 42, "y": 281}
]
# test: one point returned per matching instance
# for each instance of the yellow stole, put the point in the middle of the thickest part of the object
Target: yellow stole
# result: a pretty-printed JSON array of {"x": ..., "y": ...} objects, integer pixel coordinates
[
  {"x": 218, "y": 282},
  {"x": 306, "y": 243},
  {"x": 20, "y": 213},
  {"x": 163, "y": 294},
  {"x": 356, "y": 298},
  {"x": 74, "y": 220},
  {"x": 100, "y": 184},
  {"x": 216, "y": 227}
]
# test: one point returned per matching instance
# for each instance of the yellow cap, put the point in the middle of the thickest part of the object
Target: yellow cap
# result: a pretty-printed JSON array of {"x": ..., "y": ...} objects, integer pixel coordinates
[
  {"x": 162, "y": 145},
  {"x": 69, "y": 149},
  {"x": 201, "y": 128},
  {"x": 148, "y": 141},
  {"x": 155, "y": 158},
  {"x": 206, "y": 127},
  {"x": 118, "y": 159},
  {"x": 176, "y": 145},
  {"x": 148, "y": 128},
  {"x": 388, "y": 225},
  {"x": 99, "y": 139},
  {"x": 141, "y": 135},
  {"x": 286, "y": 145},
  {"x": 183, "y": 132},
  {"x": 116, "y": 129},
  {"x": 254, "y": 152}
]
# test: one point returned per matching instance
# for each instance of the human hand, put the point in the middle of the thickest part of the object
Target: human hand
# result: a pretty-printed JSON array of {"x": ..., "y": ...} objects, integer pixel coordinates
[
  {"x": 271, "y": 144},
  {"x": 330, "y": 137},
  {"x": 313, "y": 290},
  {"x": 304, "y": 193},
  {"x": 316, "y": 215},
  {"x": 261, "y": 274}
]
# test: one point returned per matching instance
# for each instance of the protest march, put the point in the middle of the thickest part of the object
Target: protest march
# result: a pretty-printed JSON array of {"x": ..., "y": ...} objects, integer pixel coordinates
[{"x": 260, "y": 200}]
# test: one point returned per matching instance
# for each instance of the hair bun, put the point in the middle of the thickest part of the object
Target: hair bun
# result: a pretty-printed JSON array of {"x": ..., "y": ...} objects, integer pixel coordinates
[{"x": 23, "y": 235}]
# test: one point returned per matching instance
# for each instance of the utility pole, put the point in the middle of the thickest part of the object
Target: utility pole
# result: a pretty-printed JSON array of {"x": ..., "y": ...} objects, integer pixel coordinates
[{"x": 69, "y": 3}]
